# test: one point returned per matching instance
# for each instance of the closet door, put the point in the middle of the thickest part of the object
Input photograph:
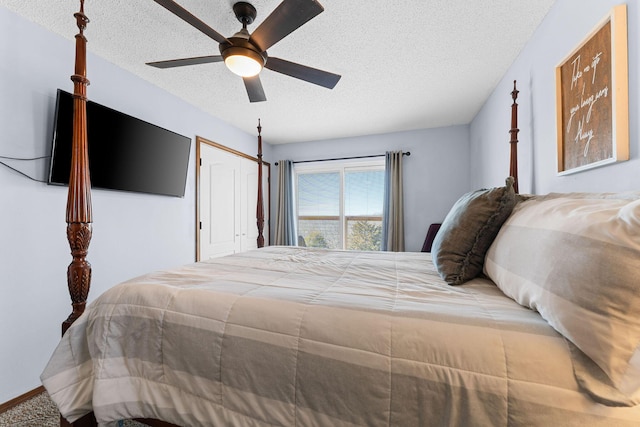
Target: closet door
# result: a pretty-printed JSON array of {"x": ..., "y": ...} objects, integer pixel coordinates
[
  {"x": 249, "y": 196},
  {"x": 227, "y": 202},
  {"x": 220, "y": 203}
]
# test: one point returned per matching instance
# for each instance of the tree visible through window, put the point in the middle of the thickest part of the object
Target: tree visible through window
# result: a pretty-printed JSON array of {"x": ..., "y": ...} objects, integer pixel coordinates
[{"x": 341, "y": 207}]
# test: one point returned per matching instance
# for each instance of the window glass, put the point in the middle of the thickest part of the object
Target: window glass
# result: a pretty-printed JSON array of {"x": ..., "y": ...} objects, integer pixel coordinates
[
  {"x": 363, "y": 198},
  {"x": 319, "y": 194},
  {"x": 363, "y": 192},
  {"x": 340, "y": 206}
]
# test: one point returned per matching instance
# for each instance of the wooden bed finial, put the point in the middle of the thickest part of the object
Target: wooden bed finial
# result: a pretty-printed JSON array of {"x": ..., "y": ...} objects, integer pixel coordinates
[
  {"x": 260, "y": 202},
  {"x": 81, "y": 18},
  {"x": 79, "y": 215},
  {"x": 513, "y": 167}
]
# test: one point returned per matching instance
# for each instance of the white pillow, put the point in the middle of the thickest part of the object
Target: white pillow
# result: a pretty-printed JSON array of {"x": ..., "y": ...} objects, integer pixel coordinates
[{"x": 575, "y": 258}]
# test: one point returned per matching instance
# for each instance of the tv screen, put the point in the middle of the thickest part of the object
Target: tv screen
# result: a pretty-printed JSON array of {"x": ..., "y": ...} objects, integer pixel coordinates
[{"x": 125, "y": 153}]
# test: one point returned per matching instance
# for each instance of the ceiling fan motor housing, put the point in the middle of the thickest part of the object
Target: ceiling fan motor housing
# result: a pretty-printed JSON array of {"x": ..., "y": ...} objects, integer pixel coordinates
[{"x": 242, "y": 46}]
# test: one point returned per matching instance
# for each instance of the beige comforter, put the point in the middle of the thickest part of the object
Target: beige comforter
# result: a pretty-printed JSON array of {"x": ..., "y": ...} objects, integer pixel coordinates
[{"x": 303, "y": 337}]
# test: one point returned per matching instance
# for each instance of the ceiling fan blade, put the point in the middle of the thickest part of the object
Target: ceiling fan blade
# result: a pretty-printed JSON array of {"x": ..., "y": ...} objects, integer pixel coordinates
[
  {"x": 254, "y": 88},
  {"x": 302, "y": 72},
  {"x": 186, "y": 16},
  {"x": 286, "y": 18},
  {"x": 186, "y": 61}
]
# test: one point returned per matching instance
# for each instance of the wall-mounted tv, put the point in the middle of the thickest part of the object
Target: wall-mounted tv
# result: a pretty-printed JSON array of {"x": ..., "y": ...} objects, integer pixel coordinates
[{"x": 125, "y": 153}]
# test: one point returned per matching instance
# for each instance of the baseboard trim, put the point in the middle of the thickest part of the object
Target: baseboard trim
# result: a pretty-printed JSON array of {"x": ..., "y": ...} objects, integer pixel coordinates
[{"x": 4, "y": 407}]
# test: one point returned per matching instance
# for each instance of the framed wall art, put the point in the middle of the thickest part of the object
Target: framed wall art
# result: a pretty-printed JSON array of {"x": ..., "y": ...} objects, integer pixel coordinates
[{"x": 592, "y": 98}]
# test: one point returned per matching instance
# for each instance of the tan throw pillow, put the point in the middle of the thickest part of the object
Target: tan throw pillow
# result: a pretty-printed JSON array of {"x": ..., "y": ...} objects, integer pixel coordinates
[
  {"x": 575, "y": 258},
  {"x": 468, "y": 230}
]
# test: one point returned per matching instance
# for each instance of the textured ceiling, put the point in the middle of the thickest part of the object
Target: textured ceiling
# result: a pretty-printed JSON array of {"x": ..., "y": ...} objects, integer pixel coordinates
[{"x": 404, "y": 64}]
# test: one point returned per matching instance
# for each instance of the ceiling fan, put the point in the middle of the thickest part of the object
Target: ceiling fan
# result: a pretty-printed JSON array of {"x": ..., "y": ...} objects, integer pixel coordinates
[{"x": 245, "y": 54}]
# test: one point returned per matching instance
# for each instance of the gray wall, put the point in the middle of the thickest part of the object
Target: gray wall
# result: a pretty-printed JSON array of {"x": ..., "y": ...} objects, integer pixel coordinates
[
  {"x": 132, "y": 233},
  {"x": 435, "y": 174},
  {"x": 564, "y": 28}
]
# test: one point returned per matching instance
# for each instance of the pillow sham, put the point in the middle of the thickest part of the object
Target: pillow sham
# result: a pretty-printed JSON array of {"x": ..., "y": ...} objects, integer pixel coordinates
[
  {"x": 468, "y": 230},
  {"x": 575, "y": 258}
]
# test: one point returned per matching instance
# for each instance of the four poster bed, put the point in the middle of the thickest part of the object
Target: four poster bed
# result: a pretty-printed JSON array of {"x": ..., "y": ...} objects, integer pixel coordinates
[{"x": 301, "y": 336}]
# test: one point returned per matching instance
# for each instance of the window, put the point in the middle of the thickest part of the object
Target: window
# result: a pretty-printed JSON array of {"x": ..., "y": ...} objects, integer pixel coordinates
[{"x": 340, "y": 206}]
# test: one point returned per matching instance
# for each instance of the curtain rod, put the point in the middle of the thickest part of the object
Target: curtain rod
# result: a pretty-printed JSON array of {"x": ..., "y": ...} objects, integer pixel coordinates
[{"x": 408, "y": 153}]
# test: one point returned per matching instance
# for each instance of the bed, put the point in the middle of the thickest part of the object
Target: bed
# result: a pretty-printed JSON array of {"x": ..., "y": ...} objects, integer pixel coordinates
[{"x": 287, "y": 336}]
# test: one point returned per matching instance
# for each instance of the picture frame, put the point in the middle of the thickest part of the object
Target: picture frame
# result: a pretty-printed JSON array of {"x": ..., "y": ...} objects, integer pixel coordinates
[{"x": 592, "y": 98}]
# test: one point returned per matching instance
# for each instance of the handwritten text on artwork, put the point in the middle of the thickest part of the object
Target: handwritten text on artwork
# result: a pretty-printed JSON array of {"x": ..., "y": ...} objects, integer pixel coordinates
[{"x": 581, "y": 111}]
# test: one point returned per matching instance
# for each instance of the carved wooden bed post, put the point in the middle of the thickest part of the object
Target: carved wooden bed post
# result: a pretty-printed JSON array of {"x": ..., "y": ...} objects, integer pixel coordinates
[
  {"x": 513, "y": 168},
  {"x": 79, "y": 196},
  {"x": 79, "y": 216},
  {"x": 260, "y": 202}
]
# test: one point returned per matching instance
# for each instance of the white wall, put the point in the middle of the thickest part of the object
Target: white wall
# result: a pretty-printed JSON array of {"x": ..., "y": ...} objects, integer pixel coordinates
[
  {"x": 132, "y": 233},
  {"x": 564, "y": 28},
  {"x": 435, "y": 175}
]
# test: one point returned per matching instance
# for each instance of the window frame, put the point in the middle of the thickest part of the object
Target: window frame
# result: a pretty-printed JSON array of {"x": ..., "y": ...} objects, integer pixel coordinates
[{"x": 340, "y": 166}]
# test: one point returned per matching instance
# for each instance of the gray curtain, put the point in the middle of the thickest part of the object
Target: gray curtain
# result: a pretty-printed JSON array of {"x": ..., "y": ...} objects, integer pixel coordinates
[
  {"x": 286, "y": 233},
  {"x": 393, "y": 210}
]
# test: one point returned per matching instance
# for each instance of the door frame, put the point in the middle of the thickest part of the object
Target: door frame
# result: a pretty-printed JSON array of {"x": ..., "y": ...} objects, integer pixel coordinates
[{"x": 267, "y": 206}]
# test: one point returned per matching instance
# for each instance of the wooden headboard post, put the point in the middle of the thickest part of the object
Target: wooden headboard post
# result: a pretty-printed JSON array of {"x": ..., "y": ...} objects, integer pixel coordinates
[
  {"x": 260, "y": 201},
  {"x": 513, "y": 168},
  {"x": 79, "y": 215}
]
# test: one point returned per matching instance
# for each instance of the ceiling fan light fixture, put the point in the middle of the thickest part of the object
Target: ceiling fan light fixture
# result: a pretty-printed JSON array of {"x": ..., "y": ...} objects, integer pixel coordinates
[
  {"x": 244, "y": 66},
  {"x": 243, "y": 61}
]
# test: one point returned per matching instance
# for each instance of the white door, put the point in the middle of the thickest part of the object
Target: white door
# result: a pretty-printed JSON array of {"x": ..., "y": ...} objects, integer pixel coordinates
[
  {"x": 228, "y": 200},
  {"x": 220, "y": 204},
  {"x": 249, "y": 194}
]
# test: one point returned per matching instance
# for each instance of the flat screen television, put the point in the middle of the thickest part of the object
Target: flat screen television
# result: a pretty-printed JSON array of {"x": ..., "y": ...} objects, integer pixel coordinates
[{"x": 125, "y": 153}]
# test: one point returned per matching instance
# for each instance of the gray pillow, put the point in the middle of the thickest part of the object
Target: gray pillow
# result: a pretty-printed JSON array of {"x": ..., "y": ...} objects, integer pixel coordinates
[{"x": 468, "y": 230}]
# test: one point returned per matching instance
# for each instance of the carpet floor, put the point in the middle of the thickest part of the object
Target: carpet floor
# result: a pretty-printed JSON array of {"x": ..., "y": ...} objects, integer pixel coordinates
[{"x": 39, "y": 411}]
